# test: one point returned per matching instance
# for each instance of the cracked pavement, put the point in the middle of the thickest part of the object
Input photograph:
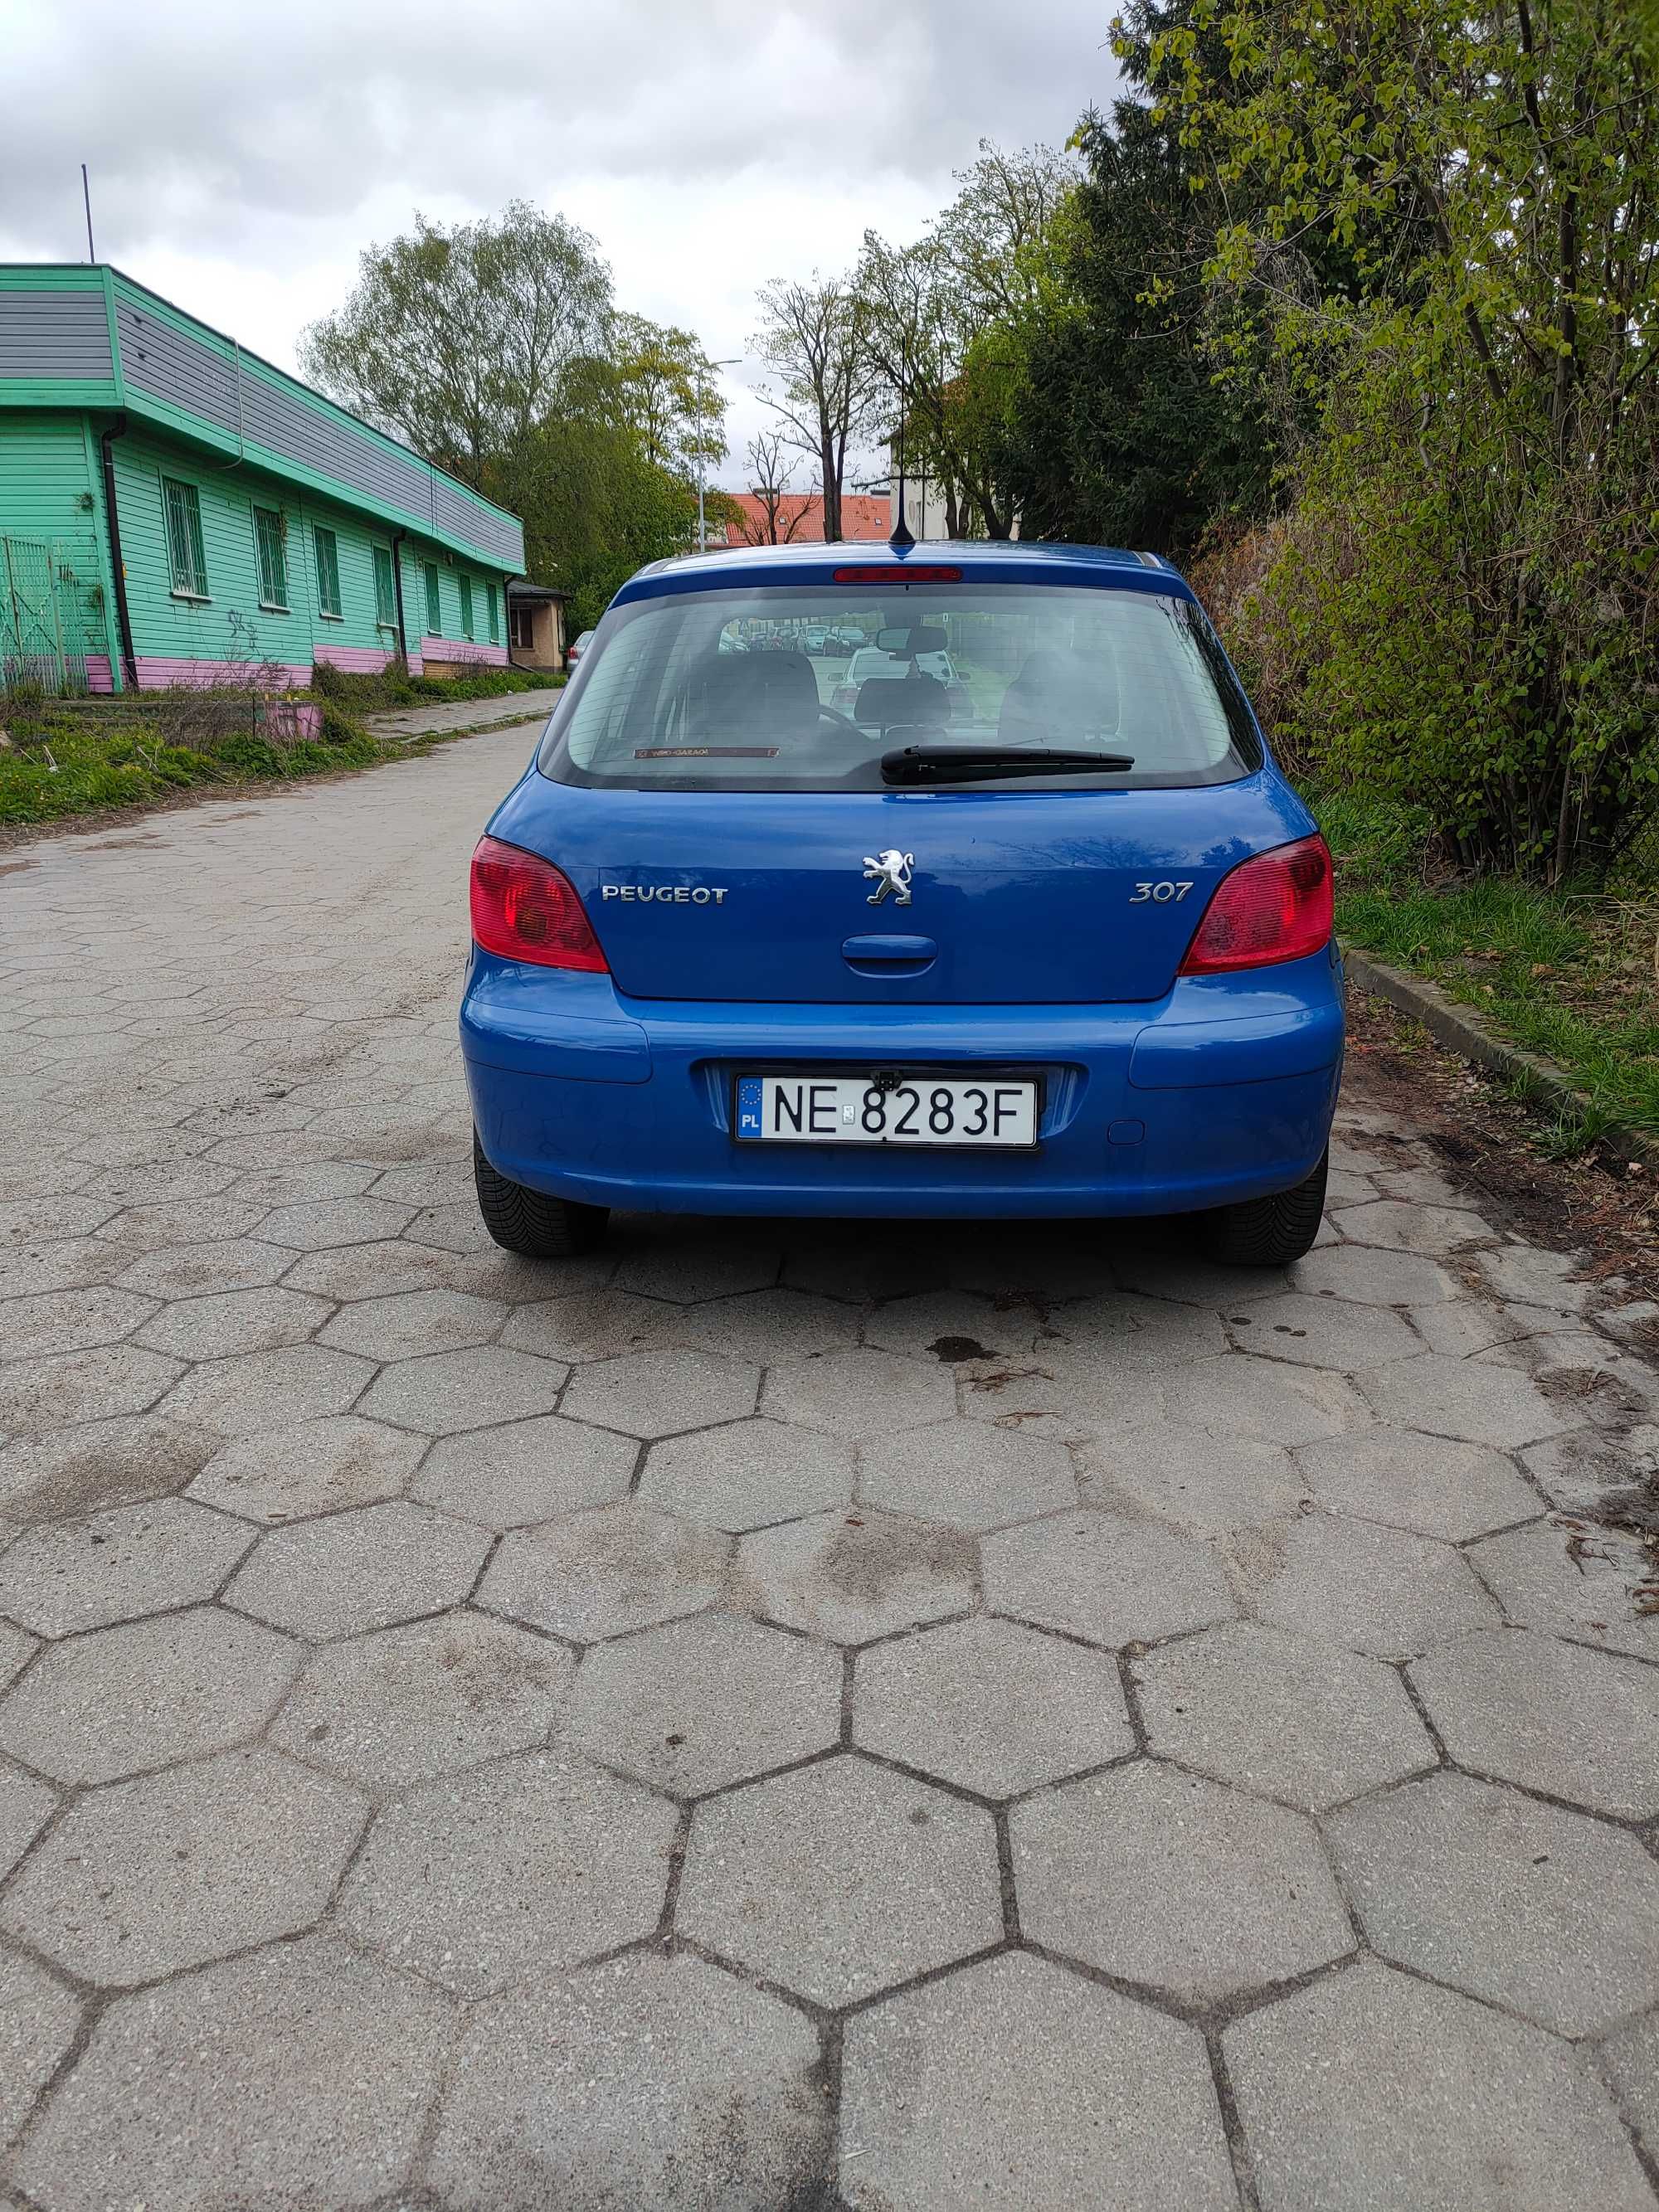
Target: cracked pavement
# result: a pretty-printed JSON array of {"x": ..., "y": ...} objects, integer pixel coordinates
[{"x": 771, "y": 1714}]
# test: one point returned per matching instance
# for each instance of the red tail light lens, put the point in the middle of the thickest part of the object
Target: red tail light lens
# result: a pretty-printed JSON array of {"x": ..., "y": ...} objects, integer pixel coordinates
[
  {"x": 524, "y": 909},
  {"x": 1276, "y": 906}
]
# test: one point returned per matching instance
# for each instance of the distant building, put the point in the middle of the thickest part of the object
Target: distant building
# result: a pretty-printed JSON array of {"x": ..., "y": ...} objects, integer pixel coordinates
[
  {"x": 535, "y": 625},
  {"x": 170, "y": 503},
  {"x": 796, "y": 518}
]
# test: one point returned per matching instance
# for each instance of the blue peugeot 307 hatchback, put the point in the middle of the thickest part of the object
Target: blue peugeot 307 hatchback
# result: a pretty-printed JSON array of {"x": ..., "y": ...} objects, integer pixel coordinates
[{"x": 1005, "y": 911}]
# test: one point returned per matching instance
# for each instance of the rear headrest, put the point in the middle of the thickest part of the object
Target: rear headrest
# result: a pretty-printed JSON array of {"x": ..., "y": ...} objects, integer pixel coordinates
[
  {"x": 1060, "y": 697},
  {"x": 885, "y": 700},
  {"x": 747, "y": 695}
]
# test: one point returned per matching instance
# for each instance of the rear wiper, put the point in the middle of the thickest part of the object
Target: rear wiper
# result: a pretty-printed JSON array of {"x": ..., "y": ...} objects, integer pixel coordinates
[{"x": 968, "y": 763}]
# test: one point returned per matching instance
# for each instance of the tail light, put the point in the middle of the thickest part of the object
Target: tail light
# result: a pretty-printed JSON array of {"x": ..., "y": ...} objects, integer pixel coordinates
[
  {"x": 1275, "y": 907},
  {"x": 524, "y": 909}
]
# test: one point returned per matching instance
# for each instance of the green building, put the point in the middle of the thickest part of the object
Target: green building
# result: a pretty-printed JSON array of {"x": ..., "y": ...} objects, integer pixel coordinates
[{"x": 170, "y": 505}]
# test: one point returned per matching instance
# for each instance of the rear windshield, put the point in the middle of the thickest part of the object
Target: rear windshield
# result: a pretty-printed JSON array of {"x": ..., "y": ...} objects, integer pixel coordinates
[{"x": 806, "y": 687}]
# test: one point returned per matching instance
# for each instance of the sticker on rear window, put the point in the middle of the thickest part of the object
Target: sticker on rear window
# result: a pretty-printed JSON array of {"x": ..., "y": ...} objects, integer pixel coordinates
[{"x": 706, "y": 752}]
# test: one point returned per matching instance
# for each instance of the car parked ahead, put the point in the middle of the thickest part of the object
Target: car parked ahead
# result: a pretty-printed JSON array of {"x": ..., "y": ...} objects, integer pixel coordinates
[
  {"x": 577, "y": 647},
  {"x": 1059, "y": 945}
]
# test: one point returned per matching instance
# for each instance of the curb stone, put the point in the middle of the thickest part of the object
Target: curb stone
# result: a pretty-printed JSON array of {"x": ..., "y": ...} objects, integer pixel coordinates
[{"x": 1463, "y": 1031}]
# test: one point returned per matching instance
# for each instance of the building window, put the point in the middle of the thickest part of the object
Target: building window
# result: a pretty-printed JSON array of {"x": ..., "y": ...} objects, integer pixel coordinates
[
  {"x": 465, "y": 583},
  {"x": 328, "y": 572},
  {"x": 521, "y": 628},
  {"x": 185, "y": 554},
  {"x": 435, "y": 605},
  {"x": 271, "y": 552},
  {"x": 494, "y": 611},
  {"x": 386, "y": 589}
]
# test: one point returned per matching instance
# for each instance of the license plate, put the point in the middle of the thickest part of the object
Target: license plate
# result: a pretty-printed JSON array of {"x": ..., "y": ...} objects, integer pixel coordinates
[{"x": 971, "y": 1111}]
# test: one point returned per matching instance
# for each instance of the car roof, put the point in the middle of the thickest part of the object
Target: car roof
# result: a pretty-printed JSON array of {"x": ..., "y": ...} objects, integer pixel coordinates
[{"x": 999, "y": 561}]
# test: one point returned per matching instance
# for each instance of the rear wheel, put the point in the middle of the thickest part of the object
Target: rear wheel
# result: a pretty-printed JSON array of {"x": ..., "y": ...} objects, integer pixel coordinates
[
  {"x": 531, "y": 1222},
  {"x": 1269, "y": 1232}
]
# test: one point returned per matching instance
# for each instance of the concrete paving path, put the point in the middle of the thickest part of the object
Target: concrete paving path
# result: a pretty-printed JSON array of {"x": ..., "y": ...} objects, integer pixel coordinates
[
  {"x": 771, "y": 1716},
  {"x": 443, "y": 717}
]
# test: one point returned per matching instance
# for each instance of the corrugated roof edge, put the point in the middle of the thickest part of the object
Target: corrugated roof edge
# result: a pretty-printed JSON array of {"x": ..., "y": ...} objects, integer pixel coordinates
[{"x": 96, "y": 268}]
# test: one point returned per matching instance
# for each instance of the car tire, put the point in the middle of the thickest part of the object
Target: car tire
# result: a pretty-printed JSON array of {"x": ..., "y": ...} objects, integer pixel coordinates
[
  {"x": 1269, "y": 1232},
  {"x": 530, "y": 1221}
]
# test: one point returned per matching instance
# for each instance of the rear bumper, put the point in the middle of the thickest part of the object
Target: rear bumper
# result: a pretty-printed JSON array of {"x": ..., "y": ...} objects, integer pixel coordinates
[{"x": 1222, "y": 1091}]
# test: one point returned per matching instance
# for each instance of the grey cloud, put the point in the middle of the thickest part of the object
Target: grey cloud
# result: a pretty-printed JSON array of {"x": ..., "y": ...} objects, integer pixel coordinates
[{"x": 206, "y": 133}]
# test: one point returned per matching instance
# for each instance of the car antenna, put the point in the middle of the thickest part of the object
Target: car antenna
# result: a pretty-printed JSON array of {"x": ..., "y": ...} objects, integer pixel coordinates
[{"x": 902, "y": 533}]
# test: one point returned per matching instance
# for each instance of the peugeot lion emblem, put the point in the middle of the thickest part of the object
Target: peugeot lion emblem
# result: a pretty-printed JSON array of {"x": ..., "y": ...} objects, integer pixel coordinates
[{"x": 890, "y": 872}]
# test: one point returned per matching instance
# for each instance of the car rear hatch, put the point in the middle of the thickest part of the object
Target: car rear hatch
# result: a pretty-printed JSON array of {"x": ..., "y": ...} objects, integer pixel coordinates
[{"x": 1014, "y": 896}]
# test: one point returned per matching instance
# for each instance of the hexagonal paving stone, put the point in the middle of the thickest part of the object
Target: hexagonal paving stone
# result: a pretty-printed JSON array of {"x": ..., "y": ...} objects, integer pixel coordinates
[
  {"x": 1245, "y": 1396},
  {"x": 687, "y": 1261},
  {"x": 657, "y": 1394},
  {"x": 698, "y": 1704},
  {"x": 315, "y": 1224},
  {"x": 121, "y": 1699},
  {"x": 767, "y": 1326},
  {"x": 1315, "y": 1332},
  {"x": 1191, "y": 1482},
  {"x": 1108, "y": 1581},
  {"x": 606, "y": 1571},
  {"x": 748, "y": 1474},
  {"x": 990, "y": 1706},
  {"x": 1577, "y": 1470},
  {"x": 234, "y": 1321},
  {"x": 471, "y": 1390},
  {"x": 184, "y": 1866},
  {"x": 408, "y": 1703},
  {"x": 1520, "y": 1272},
  {"x": 1285, "y": 1716},
  {"x": 188, "y": 1271},
  {"x": 1630, "y": 2062},
  {"x": 1577, "y": 1724},
  {"x": 40, "y": 1220},
  {"x": 497, "y": 1875},
  {"x": 1013, "y": 2082},
  {"x": 303, "y": 1468},
  {"x": 593, "y": 1325},
  {"x": 286, "y": 2112},
  {"x": 70, "y": 1321},
  {"x": 1374, "y": 1589},
  {"x": 525, "y": 1472},
  {"x": 602, "y": 2087},
  {"x": 1398, "y": 1227},
  {"x": 852, "y": 1575},
  {"x": 38, "y": 2020},
  {"x": 1373, "y": 1277},
  {"x": 861, "y": 1394},
  {"x": 1434, "y": 1485},
  {"x": 118, "y": 1565},
  {"x": 840, "y": 1879},
  {"x": 1121, "y": 1332},
  {"x": 1155, "y": 1876},
  {"x": 1371, "y": 2091},
  {"x": 16, "y": 1649},
  {"x": 951, "y": 1326},
  {"x": 410, "y": 1322},
  {"x": 77, "y": 1469},
  {"x": 26, "y": 1805},
  {"x": 1464, "y": 1398},
  {"x": 51, "y": 1392},
  {"x": 255, "y": 1391},
  {"x": 351, "y": 1272},
  {"x": 967, "y": 1475},
  {"x": 363, "y": 1569},
  {"x": 1577, "y": 1582},
  {"x": 1538, "y": 1910}
]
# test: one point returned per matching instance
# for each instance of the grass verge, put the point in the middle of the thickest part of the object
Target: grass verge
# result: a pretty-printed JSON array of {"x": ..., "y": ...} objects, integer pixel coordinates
[
  {"x": 63, "y": 761},
  {"x": 1571, "y": 975}
]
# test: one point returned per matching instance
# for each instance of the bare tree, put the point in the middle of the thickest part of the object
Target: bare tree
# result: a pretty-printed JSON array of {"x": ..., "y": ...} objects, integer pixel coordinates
[
  {"x": 811, "y": 334},
  {"x": 783, "y": 513}
]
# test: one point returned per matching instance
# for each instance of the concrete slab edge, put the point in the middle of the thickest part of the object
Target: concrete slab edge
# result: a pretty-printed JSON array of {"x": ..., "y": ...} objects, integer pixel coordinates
[{"x": 1462, "y": 1032}]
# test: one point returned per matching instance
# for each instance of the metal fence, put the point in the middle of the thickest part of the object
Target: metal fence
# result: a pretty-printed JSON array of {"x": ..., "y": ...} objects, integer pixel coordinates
[{"x": 54, "y": 624}]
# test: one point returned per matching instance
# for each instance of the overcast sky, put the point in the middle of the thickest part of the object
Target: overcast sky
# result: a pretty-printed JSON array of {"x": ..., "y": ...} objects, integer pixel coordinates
[{"x": 242, "y": 155}]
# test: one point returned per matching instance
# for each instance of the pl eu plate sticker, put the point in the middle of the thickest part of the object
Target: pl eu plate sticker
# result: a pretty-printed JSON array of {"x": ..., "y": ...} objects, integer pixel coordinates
[{"x": 749, "y": 1106}]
